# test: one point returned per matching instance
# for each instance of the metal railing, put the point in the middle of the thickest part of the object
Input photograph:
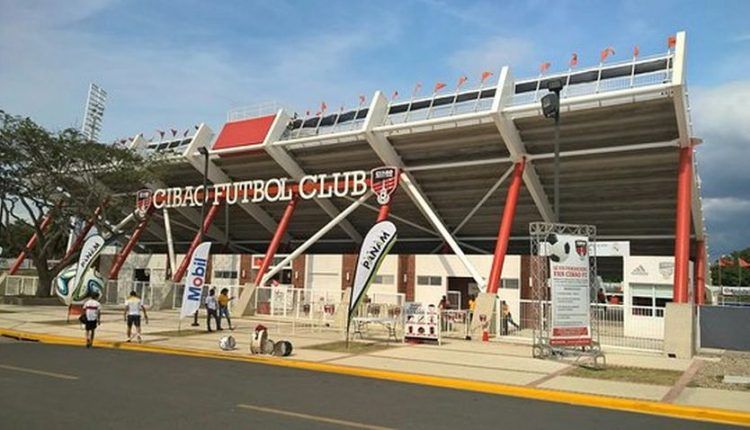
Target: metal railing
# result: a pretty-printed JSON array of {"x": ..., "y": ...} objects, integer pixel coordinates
[
  {"x": 637, "y": 327},
  {"x": 117, "y": 291},
  {"x": 18, "y": 285}
]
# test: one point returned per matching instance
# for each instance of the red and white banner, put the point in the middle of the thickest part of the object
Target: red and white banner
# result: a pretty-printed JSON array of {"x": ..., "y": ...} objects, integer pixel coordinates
[
  {"x": 569, "y": 281},
  {"x": 195, "y": 279}
]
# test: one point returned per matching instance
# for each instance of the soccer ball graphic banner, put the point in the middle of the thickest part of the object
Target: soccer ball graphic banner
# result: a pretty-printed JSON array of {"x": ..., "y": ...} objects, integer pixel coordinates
[
  {"x": 77, "y": 282},
  {"x": 375, "y": 247},
  {"x": 569, "y": 282}
]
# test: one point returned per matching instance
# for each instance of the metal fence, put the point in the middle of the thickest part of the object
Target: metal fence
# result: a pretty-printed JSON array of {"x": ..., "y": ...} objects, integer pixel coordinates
[
  {"x": 644, "y": 328},
  {"x": 16, "y": 285}
]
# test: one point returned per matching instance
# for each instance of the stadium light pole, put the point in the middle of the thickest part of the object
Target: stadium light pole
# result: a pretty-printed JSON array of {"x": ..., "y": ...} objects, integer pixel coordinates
[
  {"x": 551, "y": 109},
  {"x": 204, "y": 152}
]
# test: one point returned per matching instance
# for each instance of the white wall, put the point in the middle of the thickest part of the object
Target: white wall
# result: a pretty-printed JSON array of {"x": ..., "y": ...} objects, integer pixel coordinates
[
  {"x": 225, "y": 262},
  {"x": 450, "y": 266},
  {"x": 655, "y": 270},
  {"x": 323, "y": 272},
  {"x": 389, "y": 267}
]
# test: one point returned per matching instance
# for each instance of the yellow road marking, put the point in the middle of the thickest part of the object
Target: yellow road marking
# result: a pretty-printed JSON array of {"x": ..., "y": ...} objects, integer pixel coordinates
[
  {"x": 313, "y": 417},
  {"x": 695, "y": 413},
  {"x": 38, "y": 372}
]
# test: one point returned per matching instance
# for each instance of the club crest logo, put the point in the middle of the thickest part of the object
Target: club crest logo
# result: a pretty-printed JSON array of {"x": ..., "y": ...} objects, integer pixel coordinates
[
  {"x": 383, "y": 182},
  {"x": 143, "y": 202},
  {"x": 666, "y": 269},
  {"x": 582, "y": 248}
]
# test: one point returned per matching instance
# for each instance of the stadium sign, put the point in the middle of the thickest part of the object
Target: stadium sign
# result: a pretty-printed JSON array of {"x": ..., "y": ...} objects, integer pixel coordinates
[{"x": 326, "y": 185}]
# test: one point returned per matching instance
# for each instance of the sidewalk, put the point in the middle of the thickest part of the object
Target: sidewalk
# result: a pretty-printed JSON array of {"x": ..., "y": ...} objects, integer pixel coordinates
[{"x": 492, "y": 362}]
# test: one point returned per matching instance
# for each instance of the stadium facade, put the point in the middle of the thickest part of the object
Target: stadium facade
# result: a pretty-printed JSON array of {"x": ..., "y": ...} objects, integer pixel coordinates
[{"x": 476, "y": 167}]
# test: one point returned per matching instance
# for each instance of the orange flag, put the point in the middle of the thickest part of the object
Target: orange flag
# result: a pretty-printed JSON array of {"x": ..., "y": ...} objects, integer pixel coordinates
[
  {"x": 606, "y": 52},
  {"x": 544, "y": 67},
  {"x": 636, "y": 51},
  {"x": 744, "y": 264},
  {"x": 462, "y": 80},
  {"x": 573, "y": 60},
  {"x": 485, "y": 75},
  {"x": 671, "y": 42},
  {"x": 438, "y": 86}
]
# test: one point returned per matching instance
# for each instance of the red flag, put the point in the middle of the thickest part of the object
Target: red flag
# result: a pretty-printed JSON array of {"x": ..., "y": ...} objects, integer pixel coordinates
[
  {"x": 462, "y": 80},
  {"x": 636, "y": 51},
  {"x": 744, "y": 264},
  {"x": 362, "y": 100},
  {"x": 395, "y": 95},
  {"x": 307, "y": 113},
  {"x": 485, "y": 75},
  {"x": 438, "y": 86},
  {"x": 416, "y": 89},
  {"x": 573, "y": 60},
  {"x": 725, "y": 262},
  {"x": 671, "y": 42},
  {"x": 606, "y": 52},
  {"x": 174, "y": 132},
  {"x": 323, "y": 106},
  {"x": 544, "y": 67}
]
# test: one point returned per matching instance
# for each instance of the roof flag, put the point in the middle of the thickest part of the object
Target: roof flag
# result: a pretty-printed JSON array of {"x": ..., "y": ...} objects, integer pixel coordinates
[
  {"x": 438, "y": 86},
  {"x": 544, "y": 67},
  {"x": 485, "y": 75},
  {"x": 417, "y": 88},
  {"x": 462, "y": 80},
  {"x": 174, "y": 132},
  {"x": 606, "y": 52},
  {"x": 394, "y": 96},
  {"x": 636, "y": 51},
  {"x": 362, "y": 100},
  {"x": 743, "y": 263},
  {"x": 573, "y": 60},
  {"x": 671, "y": 42}
]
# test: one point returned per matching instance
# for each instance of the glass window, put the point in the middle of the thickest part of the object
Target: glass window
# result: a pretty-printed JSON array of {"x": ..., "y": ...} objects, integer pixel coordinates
[
  {"x": 383, "y": 279},
  {"x": 512, "y": 284},
  {"x": 430, "y": 280}
]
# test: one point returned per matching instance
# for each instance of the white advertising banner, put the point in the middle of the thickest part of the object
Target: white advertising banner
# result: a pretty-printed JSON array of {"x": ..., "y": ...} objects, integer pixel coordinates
[
  {"x": 569, "y": 282},
  {"x": 89, "y": 251},
  {"x": 195, "y": 279},
  {"x": 375, "y": 247}
]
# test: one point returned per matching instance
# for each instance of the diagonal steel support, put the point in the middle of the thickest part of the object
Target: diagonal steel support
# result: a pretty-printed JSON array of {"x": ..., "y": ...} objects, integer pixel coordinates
[
  {"x": 512, "y": 140},
  {"x": 385, "y": 151}
]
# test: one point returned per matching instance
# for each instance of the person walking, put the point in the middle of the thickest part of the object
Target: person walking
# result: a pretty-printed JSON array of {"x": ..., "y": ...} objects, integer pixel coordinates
[
  {"x": 212, "y": 310},
  {"x": 508, "y": 318},
  {"x": 224, "y": 300},
  {"x": 91, "y": 317},
  {"x": 132, "y": 315}
]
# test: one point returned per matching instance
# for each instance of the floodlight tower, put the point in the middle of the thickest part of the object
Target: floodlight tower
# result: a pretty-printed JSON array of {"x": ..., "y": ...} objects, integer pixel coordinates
[{"x": 92, "y": 120}]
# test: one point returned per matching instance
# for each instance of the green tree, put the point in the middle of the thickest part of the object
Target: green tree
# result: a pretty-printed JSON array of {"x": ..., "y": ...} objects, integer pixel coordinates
[
  {"x": 732, "y": 274},
  {"x": 65, "y": 175}
]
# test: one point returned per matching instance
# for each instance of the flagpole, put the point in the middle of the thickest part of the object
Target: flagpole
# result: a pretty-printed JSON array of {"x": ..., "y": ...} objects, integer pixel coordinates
[
  {"x": 411, "y": 100},
  {"x": 479, "y": 95}
]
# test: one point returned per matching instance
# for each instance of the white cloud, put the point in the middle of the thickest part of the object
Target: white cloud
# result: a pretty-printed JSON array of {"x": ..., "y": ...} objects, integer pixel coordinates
[
  {"x": 722, "y": 118},
  {"x": 492, "y": 54},
  {"x": 165, "y": 81}
]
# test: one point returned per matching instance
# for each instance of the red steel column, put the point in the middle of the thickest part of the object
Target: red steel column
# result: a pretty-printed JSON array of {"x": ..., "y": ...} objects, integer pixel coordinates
[
  {"x": 276, "y": 240},
  {"x": 385, "y": 210},
  {"x": 700, "y": 272},
  {"x": 210, "y": 215},
  {"x": 114, "y": 272},
  {"x": 32, "y": 242},
  {"x": 86, "y": 228},
  {"x": 503, "y": 235},
  {"x": 682, "y": 225}
]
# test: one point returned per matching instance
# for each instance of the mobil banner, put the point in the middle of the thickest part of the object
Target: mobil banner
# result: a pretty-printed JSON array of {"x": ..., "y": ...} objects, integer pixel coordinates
[
  {"x": 91, "y": 249},
  {"x": 569, "y": 270},
  {"x": 196, "y": 277},
  {"x": 375, "y": 247}
]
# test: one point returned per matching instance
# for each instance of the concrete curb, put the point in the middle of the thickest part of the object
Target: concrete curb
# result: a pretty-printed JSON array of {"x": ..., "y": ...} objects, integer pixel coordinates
[{"x": 723, "y": 416}]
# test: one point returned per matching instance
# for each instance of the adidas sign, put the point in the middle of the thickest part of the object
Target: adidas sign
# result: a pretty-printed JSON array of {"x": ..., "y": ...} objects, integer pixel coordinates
[{"x": 639, "y": 271}]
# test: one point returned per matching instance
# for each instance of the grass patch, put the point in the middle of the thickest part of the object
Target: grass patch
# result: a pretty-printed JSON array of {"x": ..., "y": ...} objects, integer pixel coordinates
[
  {"x": 629, "y": 374},
  {"x": 354, "y": 347}
]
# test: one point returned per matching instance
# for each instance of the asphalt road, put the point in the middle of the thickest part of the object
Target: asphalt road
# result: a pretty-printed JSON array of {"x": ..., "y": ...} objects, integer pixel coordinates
[{"x": 48, "y": 386}]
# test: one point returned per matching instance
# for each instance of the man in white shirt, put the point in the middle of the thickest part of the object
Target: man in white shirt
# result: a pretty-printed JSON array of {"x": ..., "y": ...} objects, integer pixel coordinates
[
  {"x": 91, "y": 317},
  {"x": 132, "y": 315},
  {"x": 212, "y": 309}
]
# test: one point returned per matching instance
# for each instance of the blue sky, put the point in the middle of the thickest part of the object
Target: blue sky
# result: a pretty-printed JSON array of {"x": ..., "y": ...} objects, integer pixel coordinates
[{"x": 174, "y": 64}]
